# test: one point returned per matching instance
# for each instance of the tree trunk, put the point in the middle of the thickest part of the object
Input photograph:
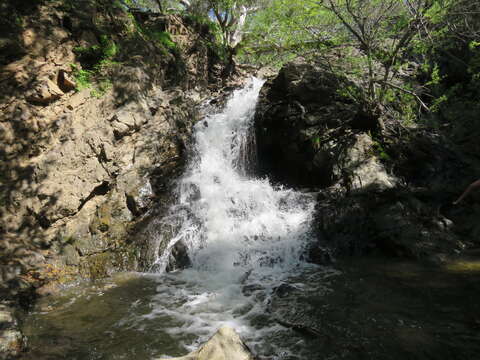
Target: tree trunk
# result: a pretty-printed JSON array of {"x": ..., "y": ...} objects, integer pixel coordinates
[{"x": 159, "y": 4}]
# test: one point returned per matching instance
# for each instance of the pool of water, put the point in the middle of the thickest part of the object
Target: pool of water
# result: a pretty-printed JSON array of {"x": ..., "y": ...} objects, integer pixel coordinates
[
  {"x": 245, "y": 239},
  {"x": 360, "y": 309}
]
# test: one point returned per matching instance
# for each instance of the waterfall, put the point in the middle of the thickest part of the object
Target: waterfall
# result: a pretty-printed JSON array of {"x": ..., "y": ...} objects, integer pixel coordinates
[{"x": 241, "y": 232}]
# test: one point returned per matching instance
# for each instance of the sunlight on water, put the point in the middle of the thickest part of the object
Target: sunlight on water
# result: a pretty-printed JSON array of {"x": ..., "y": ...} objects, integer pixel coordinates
[{"x": 241, "y": 232}]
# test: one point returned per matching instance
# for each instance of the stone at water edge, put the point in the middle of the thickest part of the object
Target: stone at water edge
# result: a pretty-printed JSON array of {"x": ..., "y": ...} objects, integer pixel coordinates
[{"x": 224, "y": 345}]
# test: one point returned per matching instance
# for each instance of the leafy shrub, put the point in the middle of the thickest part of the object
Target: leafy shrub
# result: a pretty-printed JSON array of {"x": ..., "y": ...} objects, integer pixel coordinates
[{"x": 164, "y": 39}]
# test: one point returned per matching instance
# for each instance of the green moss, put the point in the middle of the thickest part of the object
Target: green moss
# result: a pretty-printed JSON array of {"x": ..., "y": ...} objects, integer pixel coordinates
[
  {"x": 97, "y": 266},
  {"x": 164, "y": 38},
  {"x": 379, "y": 151},
  {"x": 83, "y": 78},
  {"x": 109, "y": 48},
  {"x": 96, "y": 59},
  {"x": 102, "y": 88}
]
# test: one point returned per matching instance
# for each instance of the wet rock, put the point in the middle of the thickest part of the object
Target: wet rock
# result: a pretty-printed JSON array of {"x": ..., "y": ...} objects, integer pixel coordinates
[
  {"x": 394, "y": 222},
  {"x": 224, "y": 345},
  {"x": 250, "y": 289},
  {"x": 284, "y": 289},
  {"x": 178, "y": 258},
  {"x": 320, "y": 255},
  {"x": 11, "y": 340},
  {"x": 11, "y": 343},
  {"x": 7, "y": 319}
]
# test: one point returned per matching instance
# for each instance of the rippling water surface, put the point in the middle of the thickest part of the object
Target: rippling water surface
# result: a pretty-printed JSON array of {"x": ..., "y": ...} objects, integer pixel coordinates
[{"x": 245, "y": 239}]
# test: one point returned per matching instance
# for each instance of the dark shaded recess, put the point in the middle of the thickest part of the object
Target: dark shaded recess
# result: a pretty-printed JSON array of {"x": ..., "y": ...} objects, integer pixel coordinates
[
  {"x": 12, "y": 11},
  {"x": 100, "y": 190},
  {"x": 365, "y": 121},
  {"x": 132, "y": 205},
  {"x": 43, "y": 221},
  {"x": 89, "y": 57},
  {"x": 453, "y": 65},
  {"x": 288, "y": 151},
  {"x": 67, "y": 23},
  {"x": 176, "y": 69}
]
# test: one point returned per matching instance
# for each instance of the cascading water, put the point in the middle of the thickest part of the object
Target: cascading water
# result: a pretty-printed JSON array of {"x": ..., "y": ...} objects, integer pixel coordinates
[
  {"x": 243, "y": 235},
  {"x": 245, "y": 239}
]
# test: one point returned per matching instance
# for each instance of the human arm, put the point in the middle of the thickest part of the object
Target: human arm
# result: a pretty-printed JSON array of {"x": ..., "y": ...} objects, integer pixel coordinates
[{"x": 473, "y": 186}]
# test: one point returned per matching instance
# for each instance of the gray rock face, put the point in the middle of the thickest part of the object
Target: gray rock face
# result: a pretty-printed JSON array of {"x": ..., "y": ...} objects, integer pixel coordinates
[
  {"x": 224, "y": 345},
  {"x": 309, "y": 135},
  {"x": 394, "y": 222},
  {"x": 305, "y": 127}
]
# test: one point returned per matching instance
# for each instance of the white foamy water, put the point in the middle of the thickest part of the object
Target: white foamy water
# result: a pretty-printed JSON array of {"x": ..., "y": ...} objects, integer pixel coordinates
[{"x": 244, "y": 236}]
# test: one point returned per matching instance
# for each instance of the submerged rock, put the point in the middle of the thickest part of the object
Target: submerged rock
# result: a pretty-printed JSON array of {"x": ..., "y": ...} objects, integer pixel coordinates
[{"x": 224, "y": 345}]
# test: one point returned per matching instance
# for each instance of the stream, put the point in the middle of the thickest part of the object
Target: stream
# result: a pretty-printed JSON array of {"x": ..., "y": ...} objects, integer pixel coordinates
[{"x": 245, "y": 239}]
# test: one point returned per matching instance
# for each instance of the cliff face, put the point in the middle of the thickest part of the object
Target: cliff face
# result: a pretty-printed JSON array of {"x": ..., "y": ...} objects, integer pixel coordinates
[{"x": 96, "y": 106}]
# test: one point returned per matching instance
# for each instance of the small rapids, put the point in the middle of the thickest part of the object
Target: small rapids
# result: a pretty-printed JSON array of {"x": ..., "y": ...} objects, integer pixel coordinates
[
  {"x": 245, "y": 240},
  {"x": 243, "y": 235}
]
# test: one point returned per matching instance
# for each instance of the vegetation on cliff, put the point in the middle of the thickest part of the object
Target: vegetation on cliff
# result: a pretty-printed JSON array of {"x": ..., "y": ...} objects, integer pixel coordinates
[
  {"x": 375, "y": 108},
  {"x": 88, "y": 91}
]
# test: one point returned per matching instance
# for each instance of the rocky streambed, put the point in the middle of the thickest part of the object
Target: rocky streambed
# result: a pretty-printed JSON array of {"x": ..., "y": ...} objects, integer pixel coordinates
[
  {"x": 291, "y": 216},
  {"x": 252, "y": 249},
  {"x": 372, "y": 308}
]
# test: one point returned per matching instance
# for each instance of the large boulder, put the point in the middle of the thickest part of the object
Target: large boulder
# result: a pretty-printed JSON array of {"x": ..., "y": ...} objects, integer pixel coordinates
[
  {"x": 309, "y": 133},
  {"x": 224, "y": 345},
  {"x": 178, "y": 258},
  {"x": 305, "y": 124},
  {"x": 395, "y": 222}
]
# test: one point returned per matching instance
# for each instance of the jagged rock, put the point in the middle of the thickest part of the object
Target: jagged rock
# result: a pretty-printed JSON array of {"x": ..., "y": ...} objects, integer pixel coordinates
[
  {"x": 296, "y": 125},
  {"x": 73, "y": 181},
  {"x": 44, "y": 92},
  {"x": 394, "y": 222},
  {"x": 65, "y": 83},
  {"x": 310, "y": 135},
  {"x": 11, "y": 340},
  {"x": 178, "y": 258},
  {"x": 362, "y": 167},
  {"x": 224, "y": 345}
]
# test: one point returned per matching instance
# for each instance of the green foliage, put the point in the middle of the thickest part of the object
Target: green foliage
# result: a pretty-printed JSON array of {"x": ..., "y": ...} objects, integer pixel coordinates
[
  {"x": 379, "y": 151},
  {"x": 163, "y": 38},
  {"x": 19, "y": 21},
  {"x": 109, "y": 47},
  {"x": 101, "y": 59},
  {"x": 350, "y": 92},
  {"x": 203, "y": 20},
  {"x": 94, "y": 54},
  {"x": 102, "y": 88},
  {"x": 83, "y": 78},
  {"x": 283, "y": 30},
  {"x": 86, "y": 79}
]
